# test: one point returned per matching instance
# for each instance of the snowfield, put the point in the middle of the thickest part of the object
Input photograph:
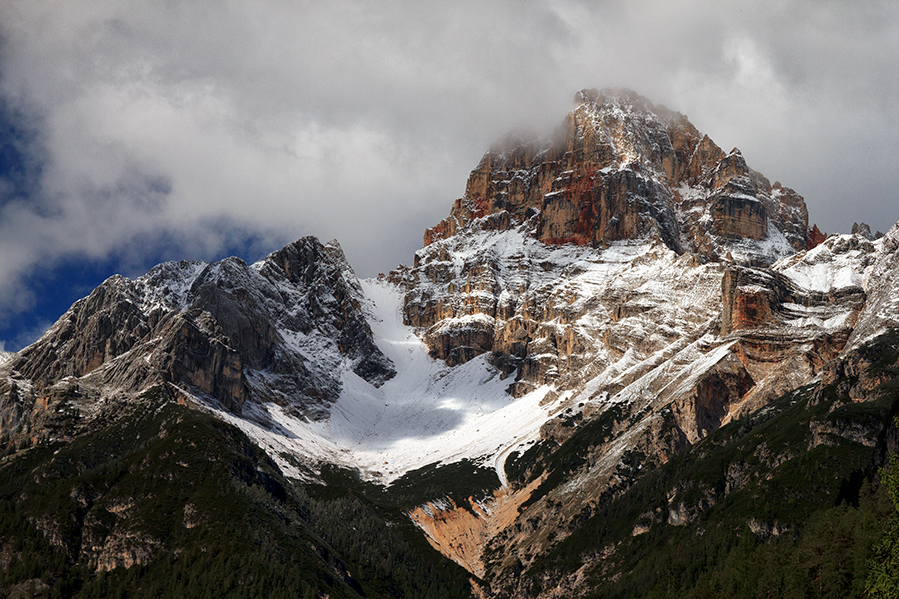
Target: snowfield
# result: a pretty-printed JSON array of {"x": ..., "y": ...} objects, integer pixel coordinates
[
  {"x": 427, "y": 413},
  {"x": 431, "y": 413},
  {"x": 835, "y": 264}
]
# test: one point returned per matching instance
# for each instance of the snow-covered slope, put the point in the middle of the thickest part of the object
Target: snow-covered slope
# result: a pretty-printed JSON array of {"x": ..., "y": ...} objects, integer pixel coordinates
[
  {"x": 633, "y": 315},
  {"x": 881, "y": 282},
  {"x": 632, "y": 325},
  {"x": 429, "y": 412},
  {"x": 840, "y": 261}
]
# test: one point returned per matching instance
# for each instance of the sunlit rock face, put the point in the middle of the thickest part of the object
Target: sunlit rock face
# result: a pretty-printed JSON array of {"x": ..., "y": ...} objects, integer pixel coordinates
[
  {"x": 650, "y": 279},
  {"x": 619, "y": 172},
  {"x": 639, "y": 273},
  {"x": 623, "y": 168}
]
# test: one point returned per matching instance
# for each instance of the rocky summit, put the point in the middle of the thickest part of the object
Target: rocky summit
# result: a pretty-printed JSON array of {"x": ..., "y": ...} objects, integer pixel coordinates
[
  {"x": 621, "y": 168},
  {"x": 622, "y": 342}
]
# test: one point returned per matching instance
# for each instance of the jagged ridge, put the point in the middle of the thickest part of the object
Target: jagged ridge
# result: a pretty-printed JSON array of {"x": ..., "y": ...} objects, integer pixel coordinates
[{"x": 279, "y": 330}]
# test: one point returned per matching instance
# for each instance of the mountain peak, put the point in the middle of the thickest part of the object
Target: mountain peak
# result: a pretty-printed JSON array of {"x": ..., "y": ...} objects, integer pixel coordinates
[
  {"x": 620, "y": 168},
  {"x": 624, "y": 102},
  {"x": 622, "y": 97},
  {"x": 594, "y": 306}
]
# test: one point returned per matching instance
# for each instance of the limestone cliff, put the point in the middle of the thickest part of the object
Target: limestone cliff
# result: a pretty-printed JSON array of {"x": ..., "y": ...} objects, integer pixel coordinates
[
  {"x": 620, "y": 170},
  {"x": 651, "y": 280}
]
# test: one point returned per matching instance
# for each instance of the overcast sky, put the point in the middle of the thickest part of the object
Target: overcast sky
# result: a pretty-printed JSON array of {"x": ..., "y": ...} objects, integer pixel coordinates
[{"x": 146, "y": 130}]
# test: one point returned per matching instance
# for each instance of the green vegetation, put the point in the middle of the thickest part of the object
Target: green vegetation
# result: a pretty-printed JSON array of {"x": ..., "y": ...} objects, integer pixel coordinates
[
  {"x": 391, "y": 556},
  {"x": 185, "y": 497},
  {"x": 784, "y": 503},
  {"x": 560, "y": 461},
  {"x": 157, "y": 500},
  {"x": 799, "y": 499},
  {"x": 459, "y": 481},
  {"x": 883, "y": 575}
]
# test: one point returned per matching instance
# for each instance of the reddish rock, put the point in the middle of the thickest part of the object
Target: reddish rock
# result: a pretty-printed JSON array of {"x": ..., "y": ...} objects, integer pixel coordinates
[
  {"x": 616, "y": 170},
  {"x": 815, "y": 237},
  {"x": 739, "y": 216}
]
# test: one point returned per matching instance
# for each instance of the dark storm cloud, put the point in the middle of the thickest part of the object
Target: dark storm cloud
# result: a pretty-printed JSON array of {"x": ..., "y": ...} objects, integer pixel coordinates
[{"x": 361, "y": 120}]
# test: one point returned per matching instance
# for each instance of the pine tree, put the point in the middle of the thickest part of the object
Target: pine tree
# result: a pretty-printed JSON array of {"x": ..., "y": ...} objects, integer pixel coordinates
[{"x": 883, "y": 578}]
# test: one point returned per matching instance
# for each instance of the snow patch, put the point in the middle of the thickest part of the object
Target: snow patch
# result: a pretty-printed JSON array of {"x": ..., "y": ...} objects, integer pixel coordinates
[
  {"x": 427, "y": 413},
  {"x": 774, "y": 245},
  {"x": 822, "y": 269}
]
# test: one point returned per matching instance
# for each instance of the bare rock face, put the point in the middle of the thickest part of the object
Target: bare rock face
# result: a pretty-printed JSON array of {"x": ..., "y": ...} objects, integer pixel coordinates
[
  {"x": 623, "y": 168},
  {"x": 791, "y": 320},
  {"x": 279, "y": 330},
  {"x": 862, "y": 229},
  {"x": 555, "y": 314},
  {"x": 739, "y": 216},
  {"x": 620, "y": 170},
  {"x": 779, "y": 328},
  {"x": 665, "y": 299},
  {"x": 102, "y": 326},
  {"x": 710, "y": 401}
]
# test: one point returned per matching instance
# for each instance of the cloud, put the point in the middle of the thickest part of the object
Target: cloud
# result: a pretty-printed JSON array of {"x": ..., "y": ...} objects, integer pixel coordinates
[{"x": 191, "y": 123}]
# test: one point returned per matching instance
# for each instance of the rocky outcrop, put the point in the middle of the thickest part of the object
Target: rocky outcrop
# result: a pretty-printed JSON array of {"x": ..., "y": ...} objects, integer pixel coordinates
[
  {"x": 881, "y": 310},
  {"x": 754, "y": 298},
  {"x": 96, "y": 329},
  {"x": 711, "y": 398},
  {"x": 332, "y": 301},
  {"x": 862, "y": 229},
  {"x": 815, "y": 237},
  {"x": 275, "y": 331},
  {"x": 776, "y": 329},
  {"x": 749, "y": 298},
  {"x": 553, "y": 314},
  {"x": 461, "y": 532},
  {"x": 597, "y": 210},
  {"x": 124, "y": 550},
  {"x": 196, "y": 351},
  {"x": 791, "y": 320}
]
